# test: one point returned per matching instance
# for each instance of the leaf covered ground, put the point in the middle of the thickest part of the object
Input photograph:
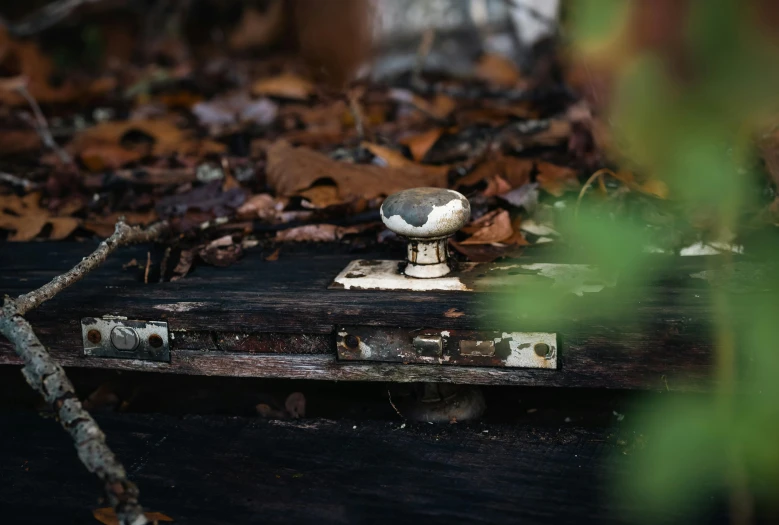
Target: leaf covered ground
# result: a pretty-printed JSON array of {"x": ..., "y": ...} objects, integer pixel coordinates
[{"x": 250, "y": 145}]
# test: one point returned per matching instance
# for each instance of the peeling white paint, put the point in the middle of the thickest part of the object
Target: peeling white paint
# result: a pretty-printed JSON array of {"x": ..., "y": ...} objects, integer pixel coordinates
[
  {"x": 384, "y": 275},
  {"x": 712, "y": 248},
  {"x": 445, "y": 333},
  {"x": 180, "y": 307},
  {"x": 443, "y": 220},
  {"x": 526, "y": 356}
]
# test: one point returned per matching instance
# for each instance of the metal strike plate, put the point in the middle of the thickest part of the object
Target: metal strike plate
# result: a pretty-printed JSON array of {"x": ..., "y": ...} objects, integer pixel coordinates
[
  {"x": 125, "y": 339},
  {"x": 458, "y": 347}
]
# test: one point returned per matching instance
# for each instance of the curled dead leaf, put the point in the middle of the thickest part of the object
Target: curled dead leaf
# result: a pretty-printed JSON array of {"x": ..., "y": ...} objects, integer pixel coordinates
[
  {"x": 513, "y": 170},
  {"x": 556, "y": 179},
  {"x": 286, "y": 85},
  {"x": 221, "y": 252},
  {"x": 26, "y": 218},
  {"x": 493, "y": 227},
  {"x": 421, "y": 143},
  {"x": 395, "y": 159},
  {"x": 497, "y": 70},
  {"x": 261, "y": 206},
  {"x": 162, "y": 137},
  {"x": 291, "y": 170},
  {"x": 315, "y": 233}
]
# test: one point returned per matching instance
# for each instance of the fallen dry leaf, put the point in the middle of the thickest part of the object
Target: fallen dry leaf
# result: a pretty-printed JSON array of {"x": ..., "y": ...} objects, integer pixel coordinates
[
  {"x": 104, "y": 226},
  {"x": 221, "y": 252},
  {"x": 496, "y": 185},
  {"x": 286, "y": 85},
  {"x": 235, "y": 108},
  {"x": 493, "y": 227},
  {"x": 556, "y": 179},
  {"x": 182, "y": 268},
  {"x": 291, "y": 170},
  {"x": 274, "y": 256},
  {"x": 420, "y": 144},
  {"x": 322, "y": 195},
  {"x": 440, "y": 107},
  {"x": 315, "y": 233},
  {"x": 485, "y": 253},
  {"x": 15, "y": 141},
  {"x": 107, "y": 516},
  {"x": 497, "y": 70},
  {"x": 514, "y": 170},
  {"x": 107, "y": 157},
  {"x": 395, "y": 159},
  {"x": 25, "y": 217},
  {"x": 261, "y": 206},
  {"x": 166, "y": 138}
]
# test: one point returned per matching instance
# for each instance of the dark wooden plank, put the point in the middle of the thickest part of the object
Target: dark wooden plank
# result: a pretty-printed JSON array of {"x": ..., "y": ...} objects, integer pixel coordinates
[
  {"x": 668, "y": 338},
  {"x": 211, "y": 470},
  {"x": 590, "y": 372}
]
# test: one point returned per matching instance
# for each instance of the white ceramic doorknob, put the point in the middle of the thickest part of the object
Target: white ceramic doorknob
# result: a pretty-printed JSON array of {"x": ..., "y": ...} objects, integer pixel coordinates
[{"x": 427, "y": 217}]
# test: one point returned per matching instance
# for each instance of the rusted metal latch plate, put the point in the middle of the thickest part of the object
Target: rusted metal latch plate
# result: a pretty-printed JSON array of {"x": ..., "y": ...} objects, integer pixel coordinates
[
  {"x": 125, "y": 339},
  {"x": 448, "y": 347}
]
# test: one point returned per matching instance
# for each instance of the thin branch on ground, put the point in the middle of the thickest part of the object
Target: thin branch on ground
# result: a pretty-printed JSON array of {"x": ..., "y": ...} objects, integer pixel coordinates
[
  {"x": 44, "y": 17},
  {"x": 42, "y": 126},
  {"x": 49, "y": 379},
  {"x": 425, "y": 46},
  {"x": 123, "y": 234},
  {"x": 19, "y": 182},
  {"x": 354, "y": 96}
]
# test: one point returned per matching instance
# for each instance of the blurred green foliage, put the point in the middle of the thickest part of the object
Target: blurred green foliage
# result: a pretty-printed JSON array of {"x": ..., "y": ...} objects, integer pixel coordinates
[{"x": 686, "y": 103}]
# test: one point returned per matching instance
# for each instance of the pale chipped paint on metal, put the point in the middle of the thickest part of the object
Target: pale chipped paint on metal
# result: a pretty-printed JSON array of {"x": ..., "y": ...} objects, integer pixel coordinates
[
  {"x": 180, "y": 307},
  {"x": 384, "y": 275},
  {"x": 575, "y": 278},
  {"x": 365, "y": 350},
  {"x": 523, "y": 354},
  {"x": 712, "y": 248},
  {"x": 445, "y": 333},
  {"x": 442, "y": 220}
]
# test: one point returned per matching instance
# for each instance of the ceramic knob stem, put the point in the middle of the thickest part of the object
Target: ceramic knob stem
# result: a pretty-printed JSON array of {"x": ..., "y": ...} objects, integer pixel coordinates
[{"x": 427, "y": 217}]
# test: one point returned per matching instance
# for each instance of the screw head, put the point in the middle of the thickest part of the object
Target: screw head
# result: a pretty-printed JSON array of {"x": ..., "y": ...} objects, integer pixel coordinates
[
  {"x": 94, "y": 336},
  {"x": 124, "y": 338},
  {"x": 351, "y": 341},
  {"x": 542, "y": 349},
  {"x": 155, "y": 341}
]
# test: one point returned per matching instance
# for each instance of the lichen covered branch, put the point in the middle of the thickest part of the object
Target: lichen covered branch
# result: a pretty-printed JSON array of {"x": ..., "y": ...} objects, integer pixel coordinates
[
  {"x": 123, "y": 235},
  {"x": 49, "y": 379}
]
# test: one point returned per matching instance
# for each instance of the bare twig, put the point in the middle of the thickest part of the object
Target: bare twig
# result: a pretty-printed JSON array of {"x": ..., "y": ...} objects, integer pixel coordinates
[
  {"x": 123, "y": 234},
  {"x": 425, "y": 46},
  {"x": 355, "y": 107},
  {"x": 49, "y": 379},
  {"x": 389, "y": 396},
  {"x": 13, "y": 180},
  {"x": 146, "y": 270},
  {"x": 45, "y": 17},
  {"x": 597, "y": 175},
  {"x": 42, "y": 126}
]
